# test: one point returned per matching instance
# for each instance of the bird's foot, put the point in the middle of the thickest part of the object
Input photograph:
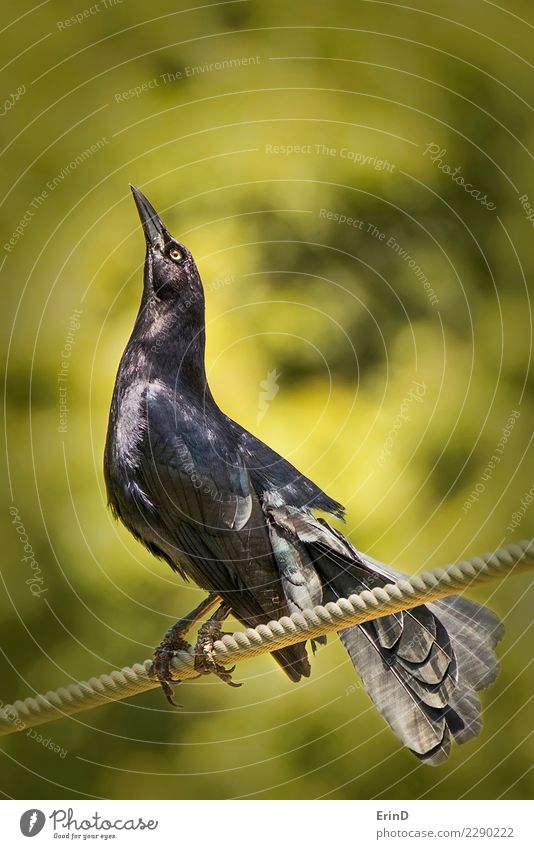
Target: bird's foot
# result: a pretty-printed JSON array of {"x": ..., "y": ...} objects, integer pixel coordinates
[
  {"x": 205, "y": 662},
  {"x": 161, "y": 665},
  {"x": 174, "y": 641}
]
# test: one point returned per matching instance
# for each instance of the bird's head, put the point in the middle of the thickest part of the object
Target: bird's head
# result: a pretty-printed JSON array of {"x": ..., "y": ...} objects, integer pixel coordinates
[{"x": 172, "y": 281}]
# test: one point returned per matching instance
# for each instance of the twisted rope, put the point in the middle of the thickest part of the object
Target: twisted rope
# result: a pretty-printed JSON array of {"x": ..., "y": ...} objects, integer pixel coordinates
[{"x": 334, "y": 616}]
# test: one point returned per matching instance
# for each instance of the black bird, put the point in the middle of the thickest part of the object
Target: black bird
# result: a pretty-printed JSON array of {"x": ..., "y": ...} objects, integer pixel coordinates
[{"x": 224, "y": 509}]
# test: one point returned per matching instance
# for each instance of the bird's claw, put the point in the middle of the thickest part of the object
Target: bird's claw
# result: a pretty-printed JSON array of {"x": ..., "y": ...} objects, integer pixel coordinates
[
  {"x": 161, "y": 666},
  {"x": 205, "y": 662}
]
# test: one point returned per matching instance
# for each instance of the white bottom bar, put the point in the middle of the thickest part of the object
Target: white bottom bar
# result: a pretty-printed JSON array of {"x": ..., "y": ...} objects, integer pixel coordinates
[{"x": 269, "y": 824}]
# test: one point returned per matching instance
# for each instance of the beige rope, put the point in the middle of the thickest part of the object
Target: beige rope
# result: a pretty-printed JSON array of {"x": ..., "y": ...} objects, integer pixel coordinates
[{"x": 334, "y": 616}]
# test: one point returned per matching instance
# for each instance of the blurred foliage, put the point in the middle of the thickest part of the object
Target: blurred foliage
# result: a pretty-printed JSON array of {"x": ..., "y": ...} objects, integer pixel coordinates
[{"x": 338, "y": 313}]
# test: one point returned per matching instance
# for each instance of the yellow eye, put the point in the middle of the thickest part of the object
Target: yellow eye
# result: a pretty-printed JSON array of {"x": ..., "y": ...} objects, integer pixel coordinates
[{"x": 175, "y": 254}]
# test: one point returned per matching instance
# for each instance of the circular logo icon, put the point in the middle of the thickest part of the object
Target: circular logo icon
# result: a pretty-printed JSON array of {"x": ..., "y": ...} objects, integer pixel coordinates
[{"x": 31, "y": 822}]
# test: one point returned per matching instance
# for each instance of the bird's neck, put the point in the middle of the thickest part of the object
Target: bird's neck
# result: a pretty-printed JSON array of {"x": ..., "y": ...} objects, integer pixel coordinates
[{"x": 171, "y": 348}]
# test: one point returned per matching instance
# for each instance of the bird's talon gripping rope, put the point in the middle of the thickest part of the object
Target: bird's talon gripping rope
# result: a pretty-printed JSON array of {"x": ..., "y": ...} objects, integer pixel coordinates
[
  {"x": 174, "y": 641},
  {"x": 205, "y": 662},
  {"x": 161, "y": 666},
  {"x": 169, "y": 693},
  {"x": 207, "y": 665}
]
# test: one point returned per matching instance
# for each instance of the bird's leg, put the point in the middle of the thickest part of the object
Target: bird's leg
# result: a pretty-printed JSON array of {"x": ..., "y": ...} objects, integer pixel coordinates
[
  {"x": 210, "y": 632},
  {"x": 174, "y": 641}
]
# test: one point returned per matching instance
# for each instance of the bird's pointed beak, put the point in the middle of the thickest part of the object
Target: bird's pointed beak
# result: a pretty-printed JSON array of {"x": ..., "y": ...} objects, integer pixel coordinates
[{"x": 155, "y": 232}]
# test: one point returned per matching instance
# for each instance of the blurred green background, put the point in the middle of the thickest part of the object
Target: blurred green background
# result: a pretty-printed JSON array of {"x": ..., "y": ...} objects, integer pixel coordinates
[{"x": 427, "y": 286}]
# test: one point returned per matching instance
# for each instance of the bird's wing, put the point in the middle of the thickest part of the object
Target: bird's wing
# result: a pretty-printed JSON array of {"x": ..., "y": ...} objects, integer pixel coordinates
[
  {"x": 276, "y": 477},
  {"x": 207, "y": 506},
  {"x": 199, "y": 477}
]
